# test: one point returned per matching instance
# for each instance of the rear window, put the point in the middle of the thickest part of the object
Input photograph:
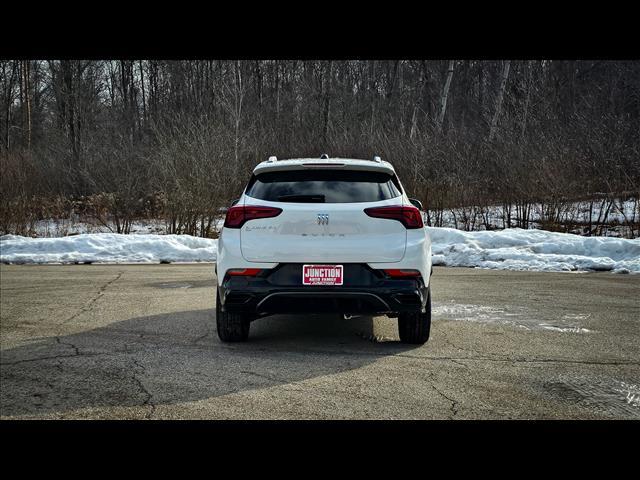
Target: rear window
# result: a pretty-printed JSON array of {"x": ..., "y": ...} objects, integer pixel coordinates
[{"x": 323, "y": 186}]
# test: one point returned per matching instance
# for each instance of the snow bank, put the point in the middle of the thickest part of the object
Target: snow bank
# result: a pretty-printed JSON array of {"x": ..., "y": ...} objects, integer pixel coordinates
[
  {"x": 510, "y": 249},
  {"x": 518, "y": 249},
  {"x": 108, "y": 248}
]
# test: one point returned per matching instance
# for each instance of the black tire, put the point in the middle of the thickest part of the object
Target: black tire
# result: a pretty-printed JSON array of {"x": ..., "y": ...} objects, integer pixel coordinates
[
  {"x": 232, "y": 327},
  {"x": 415, "y": 327}
]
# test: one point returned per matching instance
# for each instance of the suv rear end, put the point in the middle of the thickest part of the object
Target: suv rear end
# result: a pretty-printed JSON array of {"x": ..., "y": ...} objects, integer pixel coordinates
[{"x": 323, "y": 235}]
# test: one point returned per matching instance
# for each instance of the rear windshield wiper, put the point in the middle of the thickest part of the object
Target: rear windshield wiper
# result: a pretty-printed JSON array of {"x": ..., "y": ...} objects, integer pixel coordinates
[{"x": 302, "y": 198}]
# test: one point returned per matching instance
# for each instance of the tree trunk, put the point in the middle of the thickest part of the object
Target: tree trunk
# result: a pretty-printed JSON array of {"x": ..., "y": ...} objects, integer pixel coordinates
[
  {"x": 496, "y": 114},
  {"x": 327, "y": 101},
  {"x": 144, "y": 101},
  {"x": 26, "y": 101},
  {"x": 277, "y": 91},
  {"x": 445, "y": 94},
  {"x": 526, "y": 103},
  {"x": 414, "y": 126},
  {"x": 8, "y": 100}
]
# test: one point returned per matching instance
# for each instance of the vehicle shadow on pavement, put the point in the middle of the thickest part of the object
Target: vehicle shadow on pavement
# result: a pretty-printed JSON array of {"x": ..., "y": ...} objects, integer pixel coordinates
[{"x": 176, "y": 358}]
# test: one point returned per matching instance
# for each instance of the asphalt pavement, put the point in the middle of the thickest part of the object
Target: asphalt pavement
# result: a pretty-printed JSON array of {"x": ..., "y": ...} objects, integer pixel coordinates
[{"x": 139, "y": 341}]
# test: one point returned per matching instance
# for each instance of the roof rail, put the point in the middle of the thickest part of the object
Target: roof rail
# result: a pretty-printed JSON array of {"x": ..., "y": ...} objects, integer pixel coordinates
[
  {"x": 324, "y": 156},
  {"x": 273, "y": 158},
  {"x": 376, "y": 158}
]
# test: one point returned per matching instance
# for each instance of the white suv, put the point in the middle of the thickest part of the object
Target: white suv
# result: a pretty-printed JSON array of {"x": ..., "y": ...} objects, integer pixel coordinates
[{"x": 324, "y": 235}]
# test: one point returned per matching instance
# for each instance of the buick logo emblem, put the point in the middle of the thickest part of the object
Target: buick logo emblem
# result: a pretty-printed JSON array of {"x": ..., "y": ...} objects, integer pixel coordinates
[{"x": 323, "y": 219}]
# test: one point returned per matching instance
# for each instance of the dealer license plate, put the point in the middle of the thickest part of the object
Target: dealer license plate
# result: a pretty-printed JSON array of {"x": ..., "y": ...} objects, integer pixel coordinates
[{"x": 322, "y": 274}]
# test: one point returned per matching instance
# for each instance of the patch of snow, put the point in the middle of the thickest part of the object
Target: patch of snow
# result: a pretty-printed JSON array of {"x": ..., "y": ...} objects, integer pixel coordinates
[
  {"x": 607, "y": 395},
  {"x": 631, "y": 393},
  {"x": 534, "y": 250},
  {"x": 108, "y": 248},
  {"x": 471, "y": 313},
  {"x": 576, "y": 316},
  {"x": 514, "y": 316},
  {"x": 563, "y": 329}
]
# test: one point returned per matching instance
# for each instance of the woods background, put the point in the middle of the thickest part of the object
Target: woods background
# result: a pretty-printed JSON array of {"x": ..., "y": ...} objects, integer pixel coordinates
[{"x": 117, "y": 141}]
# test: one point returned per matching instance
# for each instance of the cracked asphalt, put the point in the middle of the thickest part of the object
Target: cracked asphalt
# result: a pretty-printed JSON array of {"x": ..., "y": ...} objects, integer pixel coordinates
[{"x": 139, "y": 341}]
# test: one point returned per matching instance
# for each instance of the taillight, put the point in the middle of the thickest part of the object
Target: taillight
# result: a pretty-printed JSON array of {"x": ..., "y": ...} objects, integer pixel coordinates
[
  {"x": 401, "y": 273},
  {"x": 240, "y": 214},
  {"x": 244, "y": 272},
  {"x": 410, "y": 217}
]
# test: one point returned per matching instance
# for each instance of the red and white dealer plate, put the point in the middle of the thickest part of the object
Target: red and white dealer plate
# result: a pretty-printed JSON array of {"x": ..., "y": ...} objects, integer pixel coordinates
[{"x": 322, "y": 274}]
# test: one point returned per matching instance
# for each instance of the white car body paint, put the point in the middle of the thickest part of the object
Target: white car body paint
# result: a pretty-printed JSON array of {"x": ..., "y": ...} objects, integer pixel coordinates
[{"x": 351, "y": 236}]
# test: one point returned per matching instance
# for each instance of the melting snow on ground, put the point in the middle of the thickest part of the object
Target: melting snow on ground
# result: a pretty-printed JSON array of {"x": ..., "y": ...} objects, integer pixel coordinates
[
  {"x": 519, "y": 249},
  {"x": 510, "y": 249},
  {"x": 508, "y": 315},
  {"x": 631, "y": 393}
]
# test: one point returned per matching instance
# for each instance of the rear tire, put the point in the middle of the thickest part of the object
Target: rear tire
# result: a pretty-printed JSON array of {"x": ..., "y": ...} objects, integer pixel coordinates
[
  {"x": 232, "y": 327},
  {"x": 415, "y": 327}
]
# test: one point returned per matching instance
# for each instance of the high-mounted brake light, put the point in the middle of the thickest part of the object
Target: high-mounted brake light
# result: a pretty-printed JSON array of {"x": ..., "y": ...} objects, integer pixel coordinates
[
  {"x": 318, "y": 164},
  {"x": 410, "y": 217},
  {"x": 244, "y": 272},
  {"x": 240, "y": 214},
  {"x": 401, "y": 273}
]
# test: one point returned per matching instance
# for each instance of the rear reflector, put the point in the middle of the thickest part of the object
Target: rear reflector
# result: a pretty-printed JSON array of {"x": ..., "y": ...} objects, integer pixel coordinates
[
  {"x": 244, "y": 272},
  {"x": 410, "y": 217},
  {"x": 240, "y": 214},
  {"x": 401, "y": 273}
]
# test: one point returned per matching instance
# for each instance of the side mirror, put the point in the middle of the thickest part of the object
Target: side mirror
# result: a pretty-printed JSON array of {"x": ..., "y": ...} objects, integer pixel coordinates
[
  {"x": 416, "y": 203},
  {"x": 235, "y": 201}
]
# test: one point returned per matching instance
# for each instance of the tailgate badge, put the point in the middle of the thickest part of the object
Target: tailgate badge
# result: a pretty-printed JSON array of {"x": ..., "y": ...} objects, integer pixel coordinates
[{"x": 323, "y": 219}]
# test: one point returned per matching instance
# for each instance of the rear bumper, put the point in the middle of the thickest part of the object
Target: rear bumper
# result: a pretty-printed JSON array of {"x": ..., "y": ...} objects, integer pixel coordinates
[{"x": 281, "y": 291}]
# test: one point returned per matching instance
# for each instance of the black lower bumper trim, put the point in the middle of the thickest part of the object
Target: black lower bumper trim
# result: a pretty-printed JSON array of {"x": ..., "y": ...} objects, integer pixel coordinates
[{"x": 262, "y": 296}]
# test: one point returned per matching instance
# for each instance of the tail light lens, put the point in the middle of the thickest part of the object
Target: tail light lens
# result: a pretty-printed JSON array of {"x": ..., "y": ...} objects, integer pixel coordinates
[
  {"x": 243, "y": 272},
  {"x": 410, "y": 217},
  {"x": 240, "y": 214},
  {"x": 401, "y": 273}
]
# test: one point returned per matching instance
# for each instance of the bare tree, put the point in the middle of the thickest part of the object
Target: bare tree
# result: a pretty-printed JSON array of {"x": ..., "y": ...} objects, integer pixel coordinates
[
  {"x": 525, "y": 139},
  {"x": 498, "y": 110},
  {"x": 8, "y": 70},
  {"x": 445, "y": 95}
]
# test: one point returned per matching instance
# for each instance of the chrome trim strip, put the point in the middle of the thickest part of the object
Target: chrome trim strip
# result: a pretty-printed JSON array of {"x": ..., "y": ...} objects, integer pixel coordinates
[{"x": 311, "y": 294}]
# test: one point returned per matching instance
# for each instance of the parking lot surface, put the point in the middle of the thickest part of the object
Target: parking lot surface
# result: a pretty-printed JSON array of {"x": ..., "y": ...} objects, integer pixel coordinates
[{"x": 139, "y": 341}]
